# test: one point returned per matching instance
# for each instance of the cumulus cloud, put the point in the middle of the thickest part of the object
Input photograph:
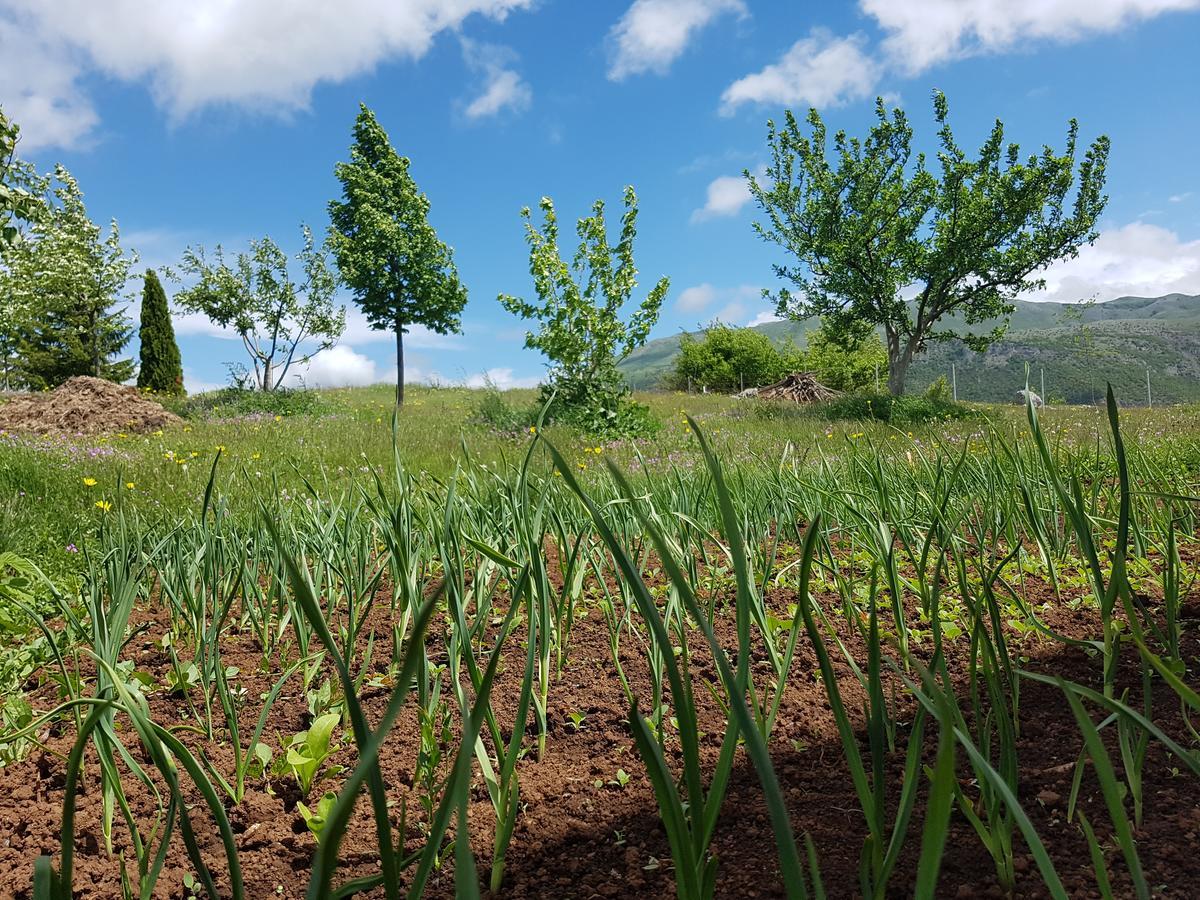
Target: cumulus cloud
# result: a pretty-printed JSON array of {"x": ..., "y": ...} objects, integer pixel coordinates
[
  {"x": 1137, "y": 259},
  {"x": 359, "y": 332},
  {"x": 258, "y": 55},
  {"x": 826, "y": 70},
  {"x": 819, "y": 70},
  {"x": 922, "y": 33},
  {"x": 501, "y": 377},
  {"x": 40, "y": 88},
  {"x": 339, "y": 366},
  {"x": 194, "y": 384},
  {"x": 764, "y": 318},
  {"x": 502, "y": 86},
  {"x": 654, "y": 33},
  {"x": 726, "y": 196},
  {"x": 735, "y": 301},
  {"x": 696, "y": 298}
]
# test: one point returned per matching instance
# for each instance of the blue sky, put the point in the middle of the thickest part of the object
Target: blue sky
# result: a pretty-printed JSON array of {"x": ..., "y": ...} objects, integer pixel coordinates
[{"x": 223, "y": 123}]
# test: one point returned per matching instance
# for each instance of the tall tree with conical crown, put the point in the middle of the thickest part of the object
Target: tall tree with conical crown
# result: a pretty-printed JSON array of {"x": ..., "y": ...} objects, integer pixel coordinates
[
  {"x": 161, "y": 369},
  {"x": 388, "y": 254}
]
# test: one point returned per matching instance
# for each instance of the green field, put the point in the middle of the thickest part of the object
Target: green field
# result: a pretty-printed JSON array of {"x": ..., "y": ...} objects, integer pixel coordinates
[{"x": 470, "y": 663}]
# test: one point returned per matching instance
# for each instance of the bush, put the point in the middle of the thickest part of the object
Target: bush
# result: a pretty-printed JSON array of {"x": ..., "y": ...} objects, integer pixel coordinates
[
  {"x": 232, "y": 401},
  {"x": 939, "y": 391},
  {"x": 624, "y": 419},
  {"x": 497, "y": 413},
  {"x": 621, "y": 417},
  {"x": 906, "y": 410},
  {"x": 726, "y": 359}
]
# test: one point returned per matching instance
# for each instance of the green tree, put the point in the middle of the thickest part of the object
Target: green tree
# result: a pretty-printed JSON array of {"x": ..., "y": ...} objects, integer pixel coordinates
[
  {"x": 726, "y": 359},
  {"x": 66, "y": 277},
  {"x": 388, "y": 254},
  {"x": 257, "y": 298},
  {"x": 873, "y": 224},
  {"x": 579, "y": 306},
  {"x": 845, "y": 367},
  {"x": 21, "y": 192},
  {"x": 161, "y": 369},
  {"x": 22, "y": 203}
]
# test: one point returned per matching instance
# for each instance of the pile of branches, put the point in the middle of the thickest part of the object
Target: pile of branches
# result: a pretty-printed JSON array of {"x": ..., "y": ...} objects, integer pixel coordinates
[{"x": 799, "y": 387}]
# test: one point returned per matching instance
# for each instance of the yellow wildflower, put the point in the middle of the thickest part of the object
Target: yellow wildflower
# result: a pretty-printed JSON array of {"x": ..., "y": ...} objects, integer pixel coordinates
[
  {"x": 129, "y": 485},
  {"x": 103, "y": 505},
  {"x": 89, "y": 482}
]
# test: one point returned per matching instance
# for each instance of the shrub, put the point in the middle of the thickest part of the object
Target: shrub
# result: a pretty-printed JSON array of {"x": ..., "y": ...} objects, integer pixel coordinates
[
  {"x": 232, "y": 401},
  {"x": 497, "y": 413},
  {"x": 939, "y": 391},
  {"x": 904, "y": 410},
  {"x": 727, "y": 359}
]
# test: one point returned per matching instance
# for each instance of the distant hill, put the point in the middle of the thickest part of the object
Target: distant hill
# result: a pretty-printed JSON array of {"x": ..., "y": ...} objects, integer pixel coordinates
[{"x": 1078, "y": 348}]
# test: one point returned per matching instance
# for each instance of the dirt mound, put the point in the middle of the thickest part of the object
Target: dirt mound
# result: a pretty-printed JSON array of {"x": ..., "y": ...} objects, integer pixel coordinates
[{"x": 84, "y": 405}]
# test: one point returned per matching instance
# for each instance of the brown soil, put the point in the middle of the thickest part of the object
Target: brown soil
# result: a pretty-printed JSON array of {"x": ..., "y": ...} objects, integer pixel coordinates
[
  {"x": 582, "y": 835},
  {"x": 84, "y": 405}
]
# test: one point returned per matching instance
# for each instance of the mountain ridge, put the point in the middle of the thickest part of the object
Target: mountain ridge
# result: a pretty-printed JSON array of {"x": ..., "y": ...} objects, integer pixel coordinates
[{"x": 1078, "y": 348}]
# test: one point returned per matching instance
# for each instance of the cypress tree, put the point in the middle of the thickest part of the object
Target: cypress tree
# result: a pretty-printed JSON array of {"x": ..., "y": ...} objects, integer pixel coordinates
[{"x": 161, "y": 370}]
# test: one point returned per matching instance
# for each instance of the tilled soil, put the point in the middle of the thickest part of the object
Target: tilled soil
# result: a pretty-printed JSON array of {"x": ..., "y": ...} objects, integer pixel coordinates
[{"x": 582, "y": 834}]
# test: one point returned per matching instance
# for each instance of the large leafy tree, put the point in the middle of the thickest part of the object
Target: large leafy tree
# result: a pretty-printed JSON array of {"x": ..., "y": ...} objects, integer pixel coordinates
[
  {"x": 881, "y": 240},
  {"x": 579, "y": 308},
  {"x": 67, "y": 276},
  {"x": 387, "y": 252},
  {"x": 160, "y": 369},
  {"x": 279, "y": 320}
]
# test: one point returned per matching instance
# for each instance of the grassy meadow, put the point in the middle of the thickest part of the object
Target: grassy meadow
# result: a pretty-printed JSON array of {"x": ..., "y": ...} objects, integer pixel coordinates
[{"x": 57, "y": 489}]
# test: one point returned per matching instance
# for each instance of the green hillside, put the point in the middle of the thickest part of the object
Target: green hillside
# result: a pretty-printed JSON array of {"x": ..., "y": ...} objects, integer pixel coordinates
[{"x": 1077, "y": 348}]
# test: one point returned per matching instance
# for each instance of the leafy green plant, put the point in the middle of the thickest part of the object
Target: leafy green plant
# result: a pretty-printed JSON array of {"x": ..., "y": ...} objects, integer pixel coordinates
[
  {"x": 581, "y": 331},
  {"x": 305, "y": 754},
  {"x": 315, "y": 818}
]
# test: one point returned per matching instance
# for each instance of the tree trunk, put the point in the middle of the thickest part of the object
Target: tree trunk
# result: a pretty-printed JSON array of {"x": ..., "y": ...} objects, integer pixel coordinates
[
  {"x": 898, "y": 361},
  {"x": 399, "y": 365},
  {"x": 267, "y": 376}
]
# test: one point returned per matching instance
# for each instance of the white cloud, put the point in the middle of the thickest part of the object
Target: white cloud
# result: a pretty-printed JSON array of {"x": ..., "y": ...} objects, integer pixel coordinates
[
  {"x": 199, "y": 325},
  {"x": 502, "y": 87},
  {"x": 696, "y": 298},
  {"x": 253, "y": 54},
  {"x": 359, "y": 332},
  {"x": 194, "y": 384},
  {"x": 820, "y": 70},
  {"x": 40, "y": 90},
  {"x": 726, "y": 196},
  {"x": 654, "y": 33},
  {"x": 502, "y": 378},
  {"x": 731, "y": 313},
  {"x": 763, "y": 318},
  {"x": 735, "y": 300},
  {"x": 338, "y": 366},
  {"x": 922, "y": 33},
  {"x": 1136, "y": 259},
  {"x": 1179, "y": 198}
]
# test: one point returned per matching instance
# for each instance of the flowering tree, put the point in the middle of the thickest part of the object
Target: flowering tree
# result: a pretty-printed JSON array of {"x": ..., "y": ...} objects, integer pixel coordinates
[{"x": 63, "y": 281}]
